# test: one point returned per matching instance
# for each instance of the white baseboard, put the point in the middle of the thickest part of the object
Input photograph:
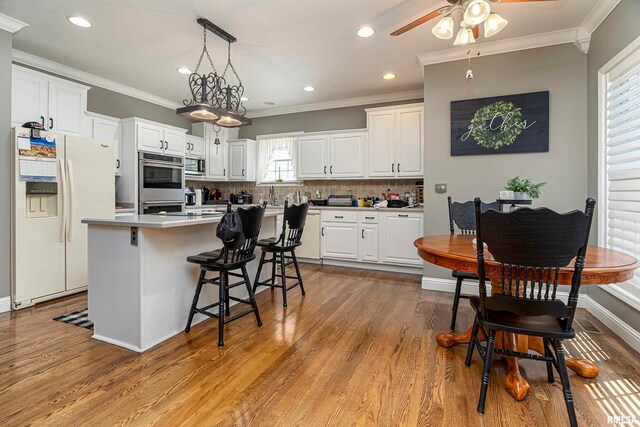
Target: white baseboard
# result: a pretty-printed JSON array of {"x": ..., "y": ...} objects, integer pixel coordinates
[
  {"x": 611, "y": 321},
  {"x": 5, "y": 304},
  {"x": 373, "y": 266}
]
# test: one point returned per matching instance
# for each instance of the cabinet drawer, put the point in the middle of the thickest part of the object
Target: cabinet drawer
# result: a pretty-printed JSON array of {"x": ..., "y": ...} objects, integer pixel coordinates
[
  {"x": 339, "y": 216},
  {"x": 368, "y": 217}
]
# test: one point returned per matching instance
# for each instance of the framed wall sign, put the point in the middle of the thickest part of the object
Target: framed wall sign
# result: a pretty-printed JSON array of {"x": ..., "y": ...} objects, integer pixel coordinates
[{"x": 500, "y": 125}]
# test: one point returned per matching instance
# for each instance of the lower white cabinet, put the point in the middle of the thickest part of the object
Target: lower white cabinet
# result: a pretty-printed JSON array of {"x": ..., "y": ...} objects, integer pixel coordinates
[
  {"x": 369, "y": 242},
  {"x": 399, "y": 231},
  {"x": 339, "y": 240}
]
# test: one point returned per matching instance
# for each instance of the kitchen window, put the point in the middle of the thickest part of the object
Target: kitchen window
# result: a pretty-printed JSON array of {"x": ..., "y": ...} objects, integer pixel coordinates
[
  {"x": 619, "y": 163},
  {"x": 276, "y": 159}
]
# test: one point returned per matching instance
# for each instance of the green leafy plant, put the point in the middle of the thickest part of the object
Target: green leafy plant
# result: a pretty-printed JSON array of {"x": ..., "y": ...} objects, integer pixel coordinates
[
  {"x": 493, "y": 135},
  {"x": 524, "y": 186}
]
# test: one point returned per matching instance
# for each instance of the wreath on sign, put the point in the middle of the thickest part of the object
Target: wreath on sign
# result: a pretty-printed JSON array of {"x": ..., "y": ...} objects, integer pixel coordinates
[{"x": 496, "y": 137}]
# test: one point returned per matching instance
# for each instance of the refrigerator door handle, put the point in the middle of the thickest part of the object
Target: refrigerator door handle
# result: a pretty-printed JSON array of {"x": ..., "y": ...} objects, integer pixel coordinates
[
  {"x": 71, "y": 197},
  {"x": 63, "y": 213}
]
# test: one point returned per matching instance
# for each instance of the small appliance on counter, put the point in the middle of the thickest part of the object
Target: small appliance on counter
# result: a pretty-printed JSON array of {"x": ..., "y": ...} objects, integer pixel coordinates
[
  {"x": 206, "y": 195},
  {"x": 242, "y": 198},
  {"x": 194, "y": 166},
  {"x": 397, "y": 203},
  {"x": 318, "y": 202},
  {"x": 189, "y": 196},
  {"x": 340, "y": 200}
]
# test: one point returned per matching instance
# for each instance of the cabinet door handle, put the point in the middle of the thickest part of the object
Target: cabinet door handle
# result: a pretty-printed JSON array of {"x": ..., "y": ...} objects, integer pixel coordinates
[
  {"x": 325, "y": 170},
  {"x": 339, "y": 216},
  {"x": 393, "y": 167},
  {"x": 166, "y": 145},
  {"x": 224, "y": 172},
  {"x": 42, "y": 120},
  {"x": 368, "y": 217},
  {"x": 331, "y": 169},
  {"x": 242, "y": 172},
  {"x": 398, "y": 167},
  {"x": 403, "y": 216},
  {"x": 161, "y": 144},
  {"x": 322, "y": 231},
  {"x": 50, "y": 123},
  {"x": 117, "y": 163},
  {"x": 363, "y": 234}
]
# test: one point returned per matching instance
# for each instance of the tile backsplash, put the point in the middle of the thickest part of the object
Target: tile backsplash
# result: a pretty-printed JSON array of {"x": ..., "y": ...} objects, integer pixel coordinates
[{"x": 358, "y": 187}]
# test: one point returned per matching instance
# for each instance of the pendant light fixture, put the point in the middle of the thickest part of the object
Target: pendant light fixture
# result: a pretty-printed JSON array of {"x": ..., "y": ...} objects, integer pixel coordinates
[
  {"x": 212, "y": 100},
  {"x": 465, "y": 35},
  {"x": 476, "y": 12},
  {"x": 444, "y": 28}
]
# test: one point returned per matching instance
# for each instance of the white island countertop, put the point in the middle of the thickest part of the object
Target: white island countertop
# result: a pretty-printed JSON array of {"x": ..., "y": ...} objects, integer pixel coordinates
[{"x": 161, "y": 221}]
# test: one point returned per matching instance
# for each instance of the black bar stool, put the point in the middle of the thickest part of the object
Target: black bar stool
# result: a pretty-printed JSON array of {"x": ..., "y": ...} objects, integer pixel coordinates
[
  {"x": 234, "y": 256},
  {"x": 290, "y": 238}
]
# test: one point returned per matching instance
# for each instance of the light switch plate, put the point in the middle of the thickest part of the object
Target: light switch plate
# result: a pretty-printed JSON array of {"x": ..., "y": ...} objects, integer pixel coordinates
[{"x": 441, "y": 187}]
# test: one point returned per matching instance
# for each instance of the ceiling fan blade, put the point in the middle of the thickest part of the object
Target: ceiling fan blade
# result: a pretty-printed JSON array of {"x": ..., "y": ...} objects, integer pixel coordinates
[
  {"x": 517, "y": 1},
  {"x": 417, "y": 22},
  {"x": 476, "y": 31}
]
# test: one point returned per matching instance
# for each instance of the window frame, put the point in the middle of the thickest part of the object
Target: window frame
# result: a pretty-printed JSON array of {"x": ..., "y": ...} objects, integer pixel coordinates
[{"x": 630, "y": 294}]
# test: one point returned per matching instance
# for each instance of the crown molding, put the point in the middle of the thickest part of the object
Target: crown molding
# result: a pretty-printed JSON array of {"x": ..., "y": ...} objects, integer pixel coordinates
[
  {"x": 598, "y": 14},
  {"x": 24, "y": 58},
  {"x": 10, "y": 24},
  {"x": 340, "y": 103},
  {"x": 502, "y": 46}
]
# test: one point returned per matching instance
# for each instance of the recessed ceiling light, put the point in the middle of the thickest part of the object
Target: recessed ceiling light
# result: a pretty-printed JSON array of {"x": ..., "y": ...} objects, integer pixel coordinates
[
  {"x": 244, "y": 99},
  {"x": 79, "y": 21},
  {"x": 184, "y": 70},
  {"x": 269, "y": 103},
  {"x": 365, "y": 32},
  {"x": 309, "y": 88},
  {"x": 389, "y": 76}
]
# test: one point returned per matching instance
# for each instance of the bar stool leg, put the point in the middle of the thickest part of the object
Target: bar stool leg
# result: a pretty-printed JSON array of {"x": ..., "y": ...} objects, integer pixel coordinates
[
  {"x": 221, "y": 299},
  {"x": 226, "y": 302},
  {"x": 295, "y": 263},
  {"x": 194, "y": 304},
  {"x": 273, "y": 271},
  {"x": 256, "y": 283},
  {"x": 252, "y": 297},
  {"x": 283, "y": 276}
]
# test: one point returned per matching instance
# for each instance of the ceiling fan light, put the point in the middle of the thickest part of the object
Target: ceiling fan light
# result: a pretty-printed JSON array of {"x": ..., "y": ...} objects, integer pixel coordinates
[
  {"x": 477, "y": 12},
  {"x": 444, "y": 28},
  {"x": 464, "y": 37},
  {"x": 494, "y": 24}
]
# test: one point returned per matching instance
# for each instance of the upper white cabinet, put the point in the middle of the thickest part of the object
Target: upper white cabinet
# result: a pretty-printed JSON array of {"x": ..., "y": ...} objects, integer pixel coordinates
[
  {"x": 158, "y": 138},
  {"x": 331, "y": 155},
  {"x": 106, "y": 128},
  {"x": 59, "y": 105},
  {"x": 396, "y": 141},
  {"x": 194, "y": 146},
  {"x": 215, "y": 155},
  {"x": 242, "y": 160}
]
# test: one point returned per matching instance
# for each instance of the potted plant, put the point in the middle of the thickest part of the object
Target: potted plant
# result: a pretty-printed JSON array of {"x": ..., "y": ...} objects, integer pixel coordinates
[{"x": 524, "y": 189}]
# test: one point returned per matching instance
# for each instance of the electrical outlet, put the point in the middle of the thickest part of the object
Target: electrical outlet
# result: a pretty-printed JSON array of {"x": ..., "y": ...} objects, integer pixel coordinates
[{"x": 441, "y": 187}]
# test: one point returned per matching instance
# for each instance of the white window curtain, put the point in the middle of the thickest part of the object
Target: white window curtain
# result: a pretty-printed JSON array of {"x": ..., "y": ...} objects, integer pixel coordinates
[
  {"x": 269, "y": 145},
  {"x": 619, "y": 219}
]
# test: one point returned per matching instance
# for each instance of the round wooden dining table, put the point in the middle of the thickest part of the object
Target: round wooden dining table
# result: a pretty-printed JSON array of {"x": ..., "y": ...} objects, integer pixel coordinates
[{"x": 458, "y": 252}]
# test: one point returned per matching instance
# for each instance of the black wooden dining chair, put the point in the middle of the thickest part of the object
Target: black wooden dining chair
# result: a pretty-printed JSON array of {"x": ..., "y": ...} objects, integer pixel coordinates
[
  {"x": 235, "y": 255},
  {"x": 290, "y": 238},
  {"x": 463, "y": 215},
  {"x": 531, "y": 246}
]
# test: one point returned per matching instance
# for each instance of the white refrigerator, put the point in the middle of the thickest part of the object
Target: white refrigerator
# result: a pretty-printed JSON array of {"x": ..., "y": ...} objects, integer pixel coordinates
[{"x": 49, "y": 200}]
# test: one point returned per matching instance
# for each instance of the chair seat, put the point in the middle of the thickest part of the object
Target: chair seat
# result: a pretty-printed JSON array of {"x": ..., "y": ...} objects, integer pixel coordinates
[
  {"x": 271, "y": 245},
  {"x": 540, "y": 326},
  {"x": 212, "y": 260}
]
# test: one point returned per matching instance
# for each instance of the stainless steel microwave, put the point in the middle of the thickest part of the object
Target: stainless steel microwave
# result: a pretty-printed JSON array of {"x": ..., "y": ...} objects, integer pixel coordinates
[{"x": 193, "y": 166}]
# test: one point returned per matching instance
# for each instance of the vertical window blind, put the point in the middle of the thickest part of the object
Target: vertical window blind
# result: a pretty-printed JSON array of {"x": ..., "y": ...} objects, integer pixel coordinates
[{"x": 621, "y": 161}]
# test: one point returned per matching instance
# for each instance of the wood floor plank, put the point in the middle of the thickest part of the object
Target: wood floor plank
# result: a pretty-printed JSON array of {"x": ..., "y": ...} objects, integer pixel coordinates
[{"x": 359, "y": 349}]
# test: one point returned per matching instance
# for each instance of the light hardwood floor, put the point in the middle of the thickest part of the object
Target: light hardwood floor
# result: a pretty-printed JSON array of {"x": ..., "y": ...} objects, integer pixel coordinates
[{"x": 359, "y": 349}]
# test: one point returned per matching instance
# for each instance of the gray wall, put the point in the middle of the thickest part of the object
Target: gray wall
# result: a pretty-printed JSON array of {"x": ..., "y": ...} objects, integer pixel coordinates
[
  {"x": 314, "y": 121},
  {"x": 559, "y": 69},
  {"x": 5, "y": 160},
  {"x": 114, "y": 104},
  {"x": 612, "y": 36}
]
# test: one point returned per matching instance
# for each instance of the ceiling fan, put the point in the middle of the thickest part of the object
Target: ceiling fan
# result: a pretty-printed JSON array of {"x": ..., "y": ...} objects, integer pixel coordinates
[{"x": 472, "y": 14}]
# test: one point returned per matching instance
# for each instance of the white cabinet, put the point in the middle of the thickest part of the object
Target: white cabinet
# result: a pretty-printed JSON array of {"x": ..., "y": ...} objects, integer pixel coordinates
[
  {"x": 396, "y": 141},
  {"x": 159, "y": 139},
  {"x": 105, "y": 128},
  {"x": 311, "y": 158},
  {"x": 339, "y": 240},
  {"x": 194, "y": 146},
  {"x": 242, "y": 160},
  {"x": 215, "y": 155},
  {"x": 332, "y": 155},
  {"x": 369, "y": 237},
  {"x": 58, "y": 104},
  {"x": 399, "y": 231}
]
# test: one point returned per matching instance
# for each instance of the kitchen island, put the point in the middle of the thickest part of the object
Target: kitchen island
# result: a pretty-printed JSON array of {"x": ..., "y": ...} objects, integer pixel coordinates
[{"x": 140, "y": 283}]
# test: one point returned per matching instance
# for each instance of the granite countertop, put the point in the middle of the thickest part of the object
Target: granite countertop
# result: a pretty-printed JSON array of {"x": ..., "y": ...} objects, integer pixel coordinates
[{"x": 160, "y": 221}]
